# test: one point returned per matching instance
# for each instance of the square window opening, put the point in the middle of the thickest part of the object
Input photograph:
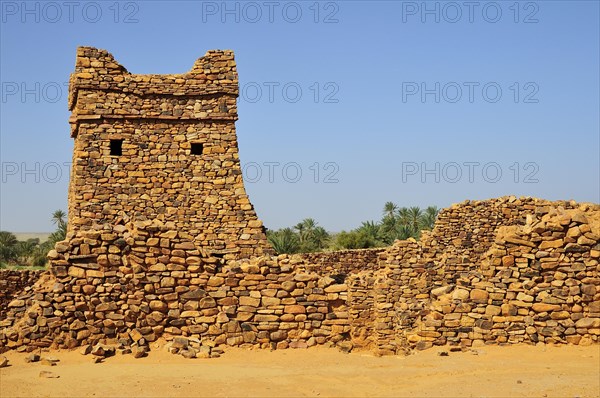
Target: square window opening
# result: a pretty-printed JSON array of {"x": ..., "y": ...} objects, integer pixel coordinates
[
  {"x": 116, "y": 147},
  {"x": 197, "y": 148}
]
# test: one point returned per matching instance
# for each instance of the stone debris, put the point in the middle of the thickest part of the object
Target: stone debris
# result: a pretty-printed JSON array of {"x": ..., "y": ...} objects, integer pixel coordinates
[
  {"x": 3, "y": 361},
  {"x": 103, "y": 351},
  {"x": 188, "y": 353},
  {"x": 138, "y": 352},
  {"x": 32, "y": 358},
  {"x": 49, "y": 361},
  {"x": 48, "y": 375},
  {"x": 124, "y": 351},
  {"x": 193, "y": 348},
  {"x": 98, "y": 351}
]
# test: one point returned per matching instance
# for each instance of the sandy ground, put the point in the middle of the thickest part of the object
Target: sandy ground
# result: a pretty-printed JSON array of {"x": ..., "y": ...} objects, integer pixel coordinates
[
  {"x": 42, "y": 236},
  {"x": 491, "y": 371}
]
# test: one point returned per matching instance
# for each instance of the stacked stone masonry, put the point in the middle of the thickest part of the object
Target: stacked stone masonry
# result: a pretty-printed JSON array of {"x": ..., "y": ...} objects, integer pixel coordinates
[
  {"x": 161, "y": 147},
  {"x": 162, "y": 244},
  {"x": 343, "y": 262},
  {"x": 536, "y": 281},
  {"x": 12, "y": 283},
  {"x": 533, "y": 279}
]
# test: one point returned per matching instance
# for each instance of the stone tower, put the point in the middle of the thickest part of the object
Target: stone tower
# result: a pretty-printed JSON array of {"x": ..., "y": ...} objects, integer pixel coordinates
[{"x": 162, "y": 149}]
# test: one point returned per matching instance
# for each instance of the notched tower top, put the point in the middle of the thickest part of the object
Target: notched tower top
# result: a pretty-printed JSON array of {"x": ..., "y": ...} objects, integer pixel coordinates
[{"x": 213, "y": 75}]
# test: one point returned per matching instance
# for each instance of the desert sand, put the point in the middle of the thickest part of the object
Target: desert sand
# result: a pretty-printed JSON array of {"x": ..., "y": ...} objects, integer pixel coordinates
[{"x": 490, "y": 371}]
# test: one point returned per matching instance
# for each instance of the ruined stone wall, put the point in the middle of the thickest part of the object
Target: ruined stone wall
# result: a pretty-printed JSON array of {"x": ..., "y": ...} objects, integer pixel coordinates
[
  {"x": 12, "y": 284},
  {"x": 539, "y": 282},
  {"x": 536, "y": 282},
  {"x": 179, "y": 158},
  {"x": 362, "y": 306},
  {"x": 135, "y": 284},
  {"x": 343, "y": 262},
  {"x": 163, "y": 242},
  {"x": 465, "y": 231},
  {"x": 444, "y": 291}
]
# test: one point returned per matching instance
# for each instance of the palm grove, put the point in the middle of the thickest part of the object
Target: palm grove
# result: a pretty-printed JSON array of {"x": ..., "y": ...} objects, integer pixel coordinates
[
  {"x": 31, "y": 252},
  {"x": 396, "y": 223},
  {"x": 306, "y": 236}
]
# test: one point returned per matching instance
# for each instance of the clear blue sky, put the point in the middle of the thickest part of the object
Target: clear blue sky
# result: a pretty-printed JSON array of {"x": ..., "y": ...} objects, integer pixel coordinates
[{"x": 362, "y": 67}]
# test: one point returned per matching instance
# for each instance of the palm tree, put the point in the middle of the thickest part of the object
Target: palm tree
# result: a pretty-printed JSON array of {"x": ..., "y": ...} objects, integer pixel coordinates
[
  {"x": 300, "y": 227},
  {"x": 25, "y": 250},
  {"x": 389, "y": 209},
  {"x": 8, "y": 246},
  {"x": 309, "y": 223},
  {"x": 320, "y": 237},
  {"x": 284, "y": 241},
  {"x": 39, "y": 257},
  {"x": 404, "y": 232},
  {"x": 306, "y": 229},
  {"x": 58, "y": 217},
  {"x": 58, "y": 235},
  {"x": 372, "y": 230},
  {"x": 415, "y": 214},
  {"x": 403, "y": 216},
  {"x": 428, "y": 217},
  {"x": 387, "y": 228}
]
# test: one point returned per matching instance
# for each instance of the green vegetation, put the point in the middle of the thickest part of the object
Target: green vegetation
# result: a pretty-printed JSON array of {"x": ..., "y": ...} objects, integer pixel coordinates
[
  {"x": 306, "y": 236},
  {"x": 396, "y": 223},
  {"x": 31, "y": 253}
]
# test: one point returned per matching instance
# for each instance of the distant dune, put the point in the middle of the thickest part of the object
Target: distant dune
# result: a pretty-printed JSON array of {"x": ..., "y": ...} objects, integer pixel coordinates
[{"x": 42, "y": 236}]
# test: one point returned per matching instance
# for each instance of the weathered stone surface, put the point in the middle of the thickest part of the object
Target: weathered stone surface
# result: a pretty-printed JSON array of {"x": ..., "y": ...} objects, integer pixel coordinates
[
  {"x": 16, "y": 303},
  {"x": 294, "y": 309},
  {"x": 588, "y": 323},
  {"x": 439, "y": 291},
  {"x": 278, "y": 335},
  {"x": 164, "y": 242},
  {"x": 479, "y": 296},
  {"x": 460, "y": 294},
  {"x": 541, "y": 307},
  {"x": 336, "y": 289}
]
